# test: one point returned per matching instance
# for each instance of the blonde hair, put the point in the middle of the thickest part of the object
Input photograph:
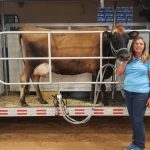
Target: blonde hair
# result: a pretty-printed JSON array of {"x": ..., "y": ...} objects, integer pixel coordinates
[{"x": 145, "y": 56}]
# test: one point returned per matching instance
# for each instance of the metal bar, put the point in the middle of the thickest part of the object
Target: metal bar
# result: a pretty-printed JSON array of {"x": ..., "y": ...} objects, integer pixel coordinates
[
  {"x": 4, "y": 52},
  {"x": 49, "y": 58},
  {"x": 64, "y": 31},
  {"x": 50, "y": 31},
  {"x": 115, "y": 12},
  {"x": 53, "y": 58},
  {"x": 101, "y": 57},
  {"x": 2, "y": 16},
  {"x": 55, "y": 83},
  {"x": 102, "y": 3},
  {"x": 146, "y": 24}
]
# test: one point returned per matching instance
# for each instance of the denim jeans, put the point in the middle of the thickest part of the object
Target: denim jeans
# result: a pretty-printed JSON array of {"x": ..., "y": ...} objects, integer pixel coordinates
[{"x": 136, "y": 105}]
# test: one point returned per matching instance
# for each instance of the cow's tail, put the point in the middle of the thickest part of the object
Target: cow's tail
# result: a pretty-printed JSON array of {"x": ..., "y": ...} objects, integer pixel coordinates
[{"x": 21, "y": 45}]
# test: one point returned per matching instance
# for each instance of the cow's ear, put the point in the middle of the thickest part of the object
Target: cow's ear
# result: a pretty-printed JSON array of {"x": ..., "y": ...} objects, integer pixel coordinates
[
  {"x": 133, "y": 34},
  {"x": 107, "y": 34}
]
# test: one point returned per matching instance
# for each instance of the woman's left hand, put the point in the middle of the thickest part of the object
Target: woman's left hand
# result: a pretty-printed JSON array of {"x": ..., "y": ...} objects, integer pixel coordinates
[{"x": 148, "y": 103}]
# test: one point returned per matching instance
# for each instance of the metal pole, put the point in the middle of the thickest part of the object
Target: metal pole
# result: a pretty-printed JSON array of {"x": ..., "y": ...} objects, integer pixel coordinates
[
  {"x": 115, "y": 12},
  {"x": 102, "y": 3},
  {"x": 4, "y": 51}
]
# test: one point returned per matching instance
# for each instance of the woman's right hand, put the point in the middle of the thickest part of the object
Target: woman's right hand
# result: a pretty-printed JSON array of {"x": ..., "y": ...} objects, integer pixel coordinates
[
  {"x": 121, "y": 69},
  {"x": 148, "y": 103}
]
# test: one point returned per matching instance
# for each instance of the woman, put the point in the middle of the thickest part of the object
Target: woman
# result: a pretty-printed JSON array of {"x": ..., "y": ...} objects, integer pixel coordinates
[{"x": 136, "y": 90}]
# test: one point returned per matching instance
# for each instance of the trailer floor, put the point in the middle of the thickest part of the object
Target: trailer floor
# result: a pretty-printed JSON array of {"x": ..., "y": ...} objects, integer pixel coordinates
[
  {"x": 48, "y": 133},
  {"x": 13, "y": 100}
]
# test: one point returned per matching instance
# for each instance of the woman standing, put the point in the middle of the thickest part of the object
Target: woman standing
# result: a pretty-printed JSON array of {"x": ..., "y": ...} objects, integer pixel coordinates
[{"x": 137, "y": 90}]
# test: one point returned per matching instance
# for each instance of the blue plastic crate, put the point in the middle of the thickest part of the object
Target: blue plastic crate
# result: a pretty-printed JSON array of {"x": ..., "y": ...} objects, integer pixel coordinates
[
  {"x": 120, "y": 19},
  {"x": 101, "y": 19},
  {"x": 129, "y": 19},
  {"x": 119, "y": 14},
  {"x": 109, "y": 19},
  {"x": 104, "y": 9},
  {"x": 100, "y": 15},
  {"x": 123, "y": 15},
  {"x": 108, "y": 15}
]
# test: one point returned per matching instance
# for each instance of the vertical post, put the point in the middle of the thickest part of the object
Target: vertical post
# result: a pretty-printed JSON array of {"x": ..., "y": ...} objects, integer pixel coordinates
[
  {"x": 4, "y": 51},
  {"x": 102, "y": 3},
  {"x": 49, "y": 57},
  {"x": 101, "y": 55},
  {"x": 114, "y": 14}
]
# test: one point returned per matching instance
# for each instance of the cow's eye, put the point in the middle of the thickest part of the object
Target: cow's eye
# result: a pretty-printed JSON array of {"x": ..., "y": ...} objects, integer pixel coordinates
[{"x": 114, "y": 39}]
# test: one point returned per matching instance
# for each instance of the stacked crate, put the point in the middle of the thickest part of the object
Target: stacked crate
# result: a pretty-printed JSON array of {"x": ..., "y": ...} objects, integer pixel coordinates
[
  {"x": 123, "y": 14},
  {"x": 105, "y": 14}
]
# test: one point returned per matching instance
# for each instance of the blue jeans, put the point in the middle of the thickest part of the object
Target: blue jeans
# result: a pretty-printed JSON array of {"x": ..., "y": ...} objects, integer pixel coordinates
[{"x": 136, "y": 105}]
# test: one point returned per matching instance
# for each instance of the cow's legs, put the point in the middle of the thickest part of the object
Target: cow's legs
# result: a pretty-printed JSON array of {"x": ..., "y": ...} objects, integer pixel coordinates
[
  {"x": 24, "y": 77},
  {"x": 93, "y": 87},
  {"x": 37, "y": 90},
  {"x": 104, "y": 97}
]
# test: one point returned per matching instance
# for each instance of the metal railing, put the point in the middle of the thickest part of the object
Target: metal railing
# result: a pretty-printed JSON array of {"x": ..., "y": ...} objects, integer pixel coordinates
[
  {"x": 69, "y": 26},
  {"x": 50, "y": 58}
]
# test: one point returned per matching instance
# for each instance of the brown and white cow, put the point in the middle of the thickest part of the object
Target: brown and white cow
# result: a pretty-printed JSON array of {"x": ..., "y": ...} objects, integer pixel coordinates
[{"x": 70, "y": 45}]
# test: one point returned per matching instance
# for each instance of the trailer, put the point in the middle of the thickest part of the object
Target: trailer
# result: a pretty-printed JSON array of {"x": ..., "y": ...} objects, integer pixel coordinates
[{"x": 11, "y": 62}]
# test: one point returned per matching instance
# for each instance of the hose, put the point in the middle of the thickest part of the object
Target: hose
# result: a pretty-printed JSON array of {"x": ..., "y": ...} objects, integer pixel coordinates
[{"x": 63, "y": 107}]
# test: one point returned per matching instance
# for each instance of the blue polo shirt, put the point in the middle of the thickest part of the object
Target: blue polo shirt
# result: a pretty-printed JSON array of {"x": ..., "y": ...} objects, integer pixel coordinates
[{"x": 136, "y": 76}]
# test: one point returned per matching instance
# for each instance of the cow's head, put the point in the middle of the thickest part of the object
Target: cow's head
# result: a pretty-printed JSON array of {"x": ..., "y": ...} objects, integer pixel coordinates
[{"x": 119, "y": 40}]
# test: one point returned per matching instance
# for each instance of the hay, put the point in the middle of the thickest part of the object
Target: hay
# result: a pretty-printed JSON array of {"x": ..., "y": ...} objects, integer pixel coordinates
[{"x": 13, "y": 101}]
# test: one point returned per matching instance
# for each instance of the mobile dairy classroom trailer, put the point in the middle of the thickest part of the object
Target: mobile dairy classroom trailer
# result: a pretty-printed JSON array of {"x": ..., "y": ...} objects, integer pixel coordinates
[{"x": 62, "y": 14}]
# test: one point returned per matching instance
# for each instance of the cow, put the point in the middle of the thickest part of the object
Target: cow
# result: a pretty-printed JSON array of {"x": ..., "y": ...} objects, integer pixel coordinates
[{"x": 70, "y": 45}]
